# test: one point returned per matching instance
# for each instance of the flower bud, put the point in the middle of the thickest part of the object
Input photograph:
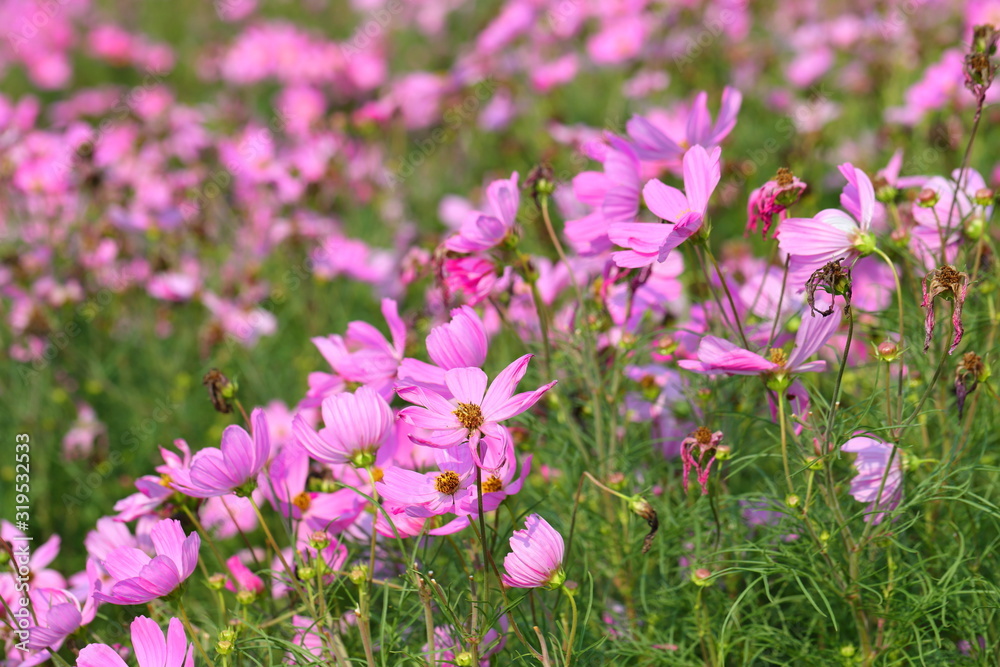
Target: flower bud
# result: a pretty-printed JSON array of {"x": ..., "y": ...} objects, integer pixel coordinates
[
  {"x": 927, "y": 198},
  {"x": 888, "y": 351},
  {"x": 319, "y": 540},
  {"x": 847, "y": 651},
  {"x": 217, "y": 582},
  {"x": 984, "y": 196},
  {"x": 464, "y": 659},
  {"x": 306, "y": 573},
  {"x": 723, "y": 453},
  {"x": 701, "y": 576},
  {"x": 358, "y": 574},
  {"x": 974, "y": 227},
  {"x": 246, "y": 597},
  {"x": 792, "y": 500}
]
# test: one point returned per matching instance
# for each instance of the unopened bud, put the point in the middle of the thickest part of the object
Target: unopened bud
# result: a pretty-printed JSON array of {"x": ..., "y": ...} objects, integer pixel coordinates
[
  {"x": 847, "y": 651},
  {"x": 984, "y": 196},
  {"x": 792, "y": 500},
  {"x": 723, "y": 453},
  {"x": 319, "y": 540},
  {"x": 217, "y": 582},
  {"x": 246, "y": 597},
  {"x": 701, "y": 576},
  {"x": 306, "y": 573},
  {"x": 888, "y": 351},
  {"x": 974, "y": 227},
  {"x": 358, "y": 574},
  {"x": 464, "y": 659},
  {"x": 927, "y": 198}
]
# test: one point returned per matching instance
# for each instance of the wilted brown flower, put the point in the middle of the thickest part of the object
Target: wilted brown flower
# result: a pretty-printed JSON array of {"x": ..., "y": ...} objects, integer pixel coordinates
[
  {"x": 220, "y": 390},
  {"x": 949, "y": 283},
  {"x": 834, "y": 279},
  {"x": 967, "y": 377}
]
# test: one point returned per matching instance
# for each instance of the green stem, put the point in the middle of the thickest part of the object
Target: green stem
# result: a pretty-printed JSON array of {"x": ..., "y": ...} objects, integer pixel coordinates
[
  {"x": 191, "y": 633},
  {"x": 784, "y": 441},
  {"x": 572, "y": 632}
]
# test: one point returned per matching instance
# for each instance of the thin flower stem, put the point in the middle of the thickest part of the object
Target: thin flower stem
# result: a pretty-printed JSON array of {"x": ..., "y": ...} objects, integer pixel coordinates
[
  {"x": 835, "y": 403},
  {"x": 194, "y": 637},
  {"x": 781, "y": 296},
  {"x": 899, "y": 303},
  {"x": 784, "y": 441},
  {"x": 572, "y": 632},
  {"x": 725, "y": 288},
  {"x": 281, "y": 556}
]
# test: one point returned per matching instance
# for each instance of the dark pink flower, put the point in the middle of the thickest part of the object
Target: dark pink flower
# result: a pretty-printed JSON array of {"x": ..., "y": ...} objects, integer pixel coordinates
[{"x": 138, "y": 578}]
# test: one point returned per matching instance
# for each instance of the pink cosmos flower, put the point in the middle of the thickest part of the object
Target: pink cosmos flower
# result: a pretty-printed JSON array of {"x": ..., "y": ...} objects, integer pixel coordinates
[
  {"x": 484, "y": 230},
  {"x": 362, "y": 355},
  {"x": 651, "y": 242},
  {"x": 613, "y": 194},
  {"x": 243, "y": 579},
  {"x": 716, "y": 355},
  {"x": 873, "y": 457},
  {"x": 460, "y": 343},
  {"x": 473, "y": 411},
  {"x": 832, "y": 234},
  {"x": 536, "y": 556},
  {"x": 772, "y": 199},
  {"x": 432, "y": 493},
  {"x": 59, "y": 613},
  {"x": 652, "y": 144},
  {"x": 234, "y": 467},
  {"x": 355, "y": 426},
  {"x": 473, "y": 277},
  {"x": 151, "y": 648},
  {"x": 139, "y": 578}
]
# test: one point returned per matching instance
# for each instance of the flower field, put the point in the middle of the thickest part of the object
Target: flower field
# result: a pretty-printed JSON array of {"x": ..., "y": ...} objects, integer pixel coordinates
[{"x": 399, "y": 333}]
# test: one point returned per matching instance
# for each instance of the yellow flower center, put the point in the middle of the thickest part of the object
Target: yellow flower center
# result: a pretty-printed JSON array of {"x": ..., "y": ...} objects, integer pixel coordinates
[
  {"x": 469, "y": 415},
  {"x": 492, "y": 484},
  {"x": 447, "y": 482},
  {"x": 302, "y": 501},
  {"x": 702, "y": 435},
  {"x": 777, "y": 356}
]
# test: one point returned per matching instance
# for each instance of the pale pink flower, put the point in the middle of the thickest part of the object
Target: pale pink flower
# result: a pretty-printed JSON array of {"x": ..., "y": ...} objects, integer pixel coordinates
[
  {"x": 536, "y": 556},
  {"x": 151, "y": 648},
  {"x": 651, "y": 242},
  {"x": 873, "y": 457},
  {"x": 473, "y": 411},
  {"x": 234, "y": 467},
  {"x": 138, "y": 578},
  {"x": 652, "y": 143},
  {"x": 482, "y": 230},
  {"x": 355, "y": 426},
  {"x": 716, "y": 355}
]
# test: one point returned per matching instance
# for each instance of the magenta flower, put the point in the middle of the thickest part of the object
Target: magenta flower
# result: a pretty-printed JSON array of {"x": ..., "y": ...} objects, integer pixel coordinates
[
  {"x": 536, "y": 556},
  {"x": 649, "y": 242},
  {"x": 484, "y": 230},
  {"x": 355, "y": 426},
  {"x": 716, "y": 355},
  {"x": 873, "y": 457},
  {"x": 243, "y": 579},
  {"x": 652, "y": 144},
  {"x": 234, "y": 467},
  {"x": 832, "y": 234},
  {"x": 139, "y": 578},
  {"x": 773, "y": 198},
  {"x": 473, "y": 411},
  {"x": 151, "y": 648}
]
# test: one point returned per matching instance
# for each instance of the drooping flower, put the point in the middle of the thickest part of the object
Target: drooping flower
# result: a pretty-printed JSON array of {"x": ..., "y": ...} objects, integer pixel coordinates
[
  {"x": 152, "y": 649},
  {"x": 873, "y": 457},
  {"x": 536, "y": 556},
  {"x": 473, "y": 411},
  {"x": 234, "y": 467},
  {"x": 832, "y": 234},
  {"x": 951, "y": 284},
  {"x": 698, "y": 451},
  {"x": 139, "y": 578},
  {"x": 649, "y": 242},
  {"x": 354, "y": 427},
  {"x": 773, "y": 198},
  {"x": 717, "y": 355},
  {"x": 482, "y": 230}
]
